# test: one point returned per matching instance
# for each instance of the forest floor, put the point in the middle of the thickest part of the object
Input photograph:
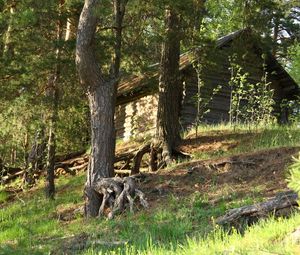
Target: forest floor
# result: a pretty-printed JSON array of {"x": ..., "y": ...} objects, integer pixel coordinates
[{"x": 228, "y": 169}]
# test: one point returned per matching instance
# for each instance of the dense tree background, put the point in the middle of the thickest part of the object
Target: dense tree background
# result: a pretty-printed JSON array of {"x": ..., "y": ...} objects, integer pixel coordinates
[{"x": 29, "y": 45}]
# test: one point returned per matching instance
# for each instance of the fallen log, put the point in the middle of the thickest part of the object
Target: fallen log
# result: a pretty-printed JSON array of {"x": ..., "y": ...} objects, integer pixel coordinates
[
  {"x": 68, "y": 156},
  {"x": 122, "y": 173},
  {"x": 281, "y": 205},
  {"x": 72, "y": 165},
  {"x": 6, "y": 170},
  {"x": 6, "y": 179},
  {"x": 74, "y": 161},
  {"x": 125, "y": 156},
  {"x": 79, "y": 167}
]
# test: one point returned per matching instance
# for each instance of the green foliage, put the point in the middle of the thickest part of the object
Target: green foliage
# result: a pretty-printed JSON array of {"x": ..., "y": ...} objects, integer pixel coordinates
[
  {"x": 3, "y": 195},
  {"x": 294, "y": 55},
  {"x": 249, "y": 103},
  {"x": 202, "y": 102},
  {"x": 264, "y": 17},
  {"x": 294, "y": 178},
  {"x": 25, "y": 74},
  {"x": 29, "y": 36}
]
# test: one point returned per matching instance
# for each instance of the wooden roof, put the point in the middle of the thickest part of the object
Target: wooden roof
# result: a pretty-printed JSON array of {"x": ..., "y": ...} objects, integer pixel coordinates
[{"x": 138, "y": 86}]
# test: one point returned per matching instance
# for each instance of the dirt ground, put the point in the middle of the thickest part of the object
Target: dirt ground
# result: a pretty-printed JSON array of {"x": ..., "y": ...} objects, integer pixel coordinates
[{"x": 264, "y": 172}]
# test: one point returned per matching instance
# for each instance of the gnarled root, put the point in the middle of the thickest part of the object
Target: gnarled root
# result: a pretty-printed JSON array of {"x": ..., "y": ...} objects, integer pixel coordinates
[
  {"x": 118, "y": 193},
  {"x": 161, "y": 155}
]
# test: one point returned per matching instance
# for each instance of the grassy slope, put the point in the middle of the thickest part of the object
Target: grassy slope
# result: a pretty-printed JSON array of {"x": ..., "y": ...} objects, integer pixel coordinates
[
  {"x": 243, "y": 139},
  {"x": 178, "y": 225}
]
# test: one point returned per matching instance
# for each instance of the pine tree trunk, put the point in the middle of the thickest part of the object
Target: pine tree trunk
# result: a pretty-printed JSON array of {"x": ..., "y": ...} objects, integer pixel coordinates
[
  {"x": 50, "y": 186},
  {"x": 101, "y": 101},
  {"x": 8, "y": 49},
  {"x": 53, "y": 94},
  {"x": 101, "y": 95},
  {"x": 26, "y": 149},
  {"x": 170, "y": 88},
  {"x": 68, "y": 30},
  {"x": 275, "y": 36}
]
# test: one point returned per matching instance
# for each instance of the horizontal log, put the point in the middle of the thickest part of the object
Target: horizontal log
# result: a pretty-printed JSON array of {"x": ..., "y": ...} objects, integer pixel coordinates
[
  {"x": 251, "y": 213},
  {"x": 8, "y": 178},
  {"x": 9, "y": 170},
  {"x": 79, "y": 167},
  {"x": 68, "y": 156},
  {"x": 123, "y": 172}
]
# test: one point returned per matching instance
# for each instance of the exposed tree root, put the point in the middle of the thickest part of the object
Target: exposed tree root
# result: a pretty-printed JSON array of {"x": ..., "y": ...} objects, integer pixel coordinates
[
  {"x": 161, "y": 155},
  {"x": 118, "y": 194},
  {"x": 137, "y": 159}
]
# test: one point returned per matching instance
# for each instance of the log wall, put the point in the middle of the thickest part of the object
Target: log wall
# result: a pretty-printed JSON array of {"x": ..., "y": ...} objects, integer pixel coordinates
[
  {"x": 138, "y": 117},
  {"x": 217, "y": 73}
]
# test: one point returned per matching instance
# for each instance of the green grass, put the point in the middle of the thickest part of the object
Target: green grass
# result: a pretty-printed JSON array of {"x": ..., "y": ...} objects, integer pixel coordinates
[
  {"x": 182, "y": 225},
  {"x": 3, "y": 195},
  {"x": 177, "y": 225},
  {"x": 28, "y": 225},
  {"x": 254, "y": 139},
  {"x": 294, "y": 177},
  {"x": 268, "y": 237}
]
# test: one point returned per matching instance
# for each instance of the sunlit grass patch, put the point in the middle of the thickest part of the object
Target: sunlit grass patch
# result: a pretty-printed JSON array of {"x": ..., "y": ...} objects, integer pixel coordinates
[
  {"x": 243, "y": 139},
  {"x": 268, "y": 237}
]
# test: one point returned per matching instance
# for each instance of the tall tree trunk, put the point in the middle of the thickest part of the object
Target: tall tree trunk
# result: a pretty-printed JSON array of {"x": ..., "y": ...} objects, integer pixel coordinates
[
  {"x": 51, "y": 148},
  {"x": 101, "y": 95},
  {"x": 198, "y": 14},
  {"x": 170, "y": 88},
  {"x": 275, "y": 35},
  {"x": 8, "y": 49},
  {"x": 68, "y": 30},
  {"x": 54, "y": 101},
  {"x": 25, "y": 149}
]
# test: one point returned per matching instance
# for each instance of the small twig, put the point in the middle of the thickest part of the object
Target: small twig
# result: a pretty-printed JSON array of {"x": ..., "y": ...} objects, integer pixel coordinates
[
  {"x": 21, "y": 200},
  {"x": 107, "y": 243}
]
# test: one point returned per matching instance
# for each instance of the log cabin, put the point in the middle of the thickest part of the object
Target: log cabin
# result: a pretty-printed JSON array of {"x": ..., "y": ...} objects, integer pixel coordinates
[{"x": 137, "y": 96}]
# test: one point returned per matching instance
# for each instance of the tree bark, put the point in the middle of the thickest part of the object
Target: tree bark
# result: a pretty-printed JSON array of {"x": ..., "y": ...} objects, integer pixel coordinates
[
  {"x": 53, "y": 94},
  {"x": 8, "y": 48},
  {"x": 50, "y": 185},
  {"x": 170, "y": 89},
  {"x": 101, "y": 95},
  {"x": 275, "y": 35},
  {"x": 68, "y": 30}
]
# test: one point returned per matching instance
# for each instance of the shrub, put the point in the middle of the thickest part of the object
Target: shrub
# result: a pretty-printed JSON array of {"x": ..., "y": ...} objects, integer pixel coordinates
[{"x": 294, "y": 178}]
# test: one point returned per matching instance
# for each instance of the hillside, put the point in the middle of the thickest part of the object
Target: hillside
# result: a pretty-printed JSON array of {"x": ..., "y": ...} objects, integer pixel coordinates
[{"x": 184, "y": 202}]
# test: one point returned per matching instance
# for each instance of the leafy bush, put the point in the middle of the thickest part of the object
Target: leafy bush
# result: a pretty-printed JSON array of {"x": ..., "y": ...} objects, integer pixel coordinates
[{"x": 294, "y": 179}]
